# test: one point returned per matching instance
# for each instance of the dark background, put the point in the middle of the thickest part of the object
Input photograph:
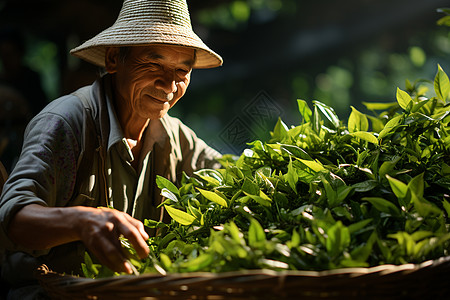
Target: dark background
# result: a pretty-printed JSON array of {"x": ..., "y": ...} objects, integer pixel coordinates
[{"x": 275, "y": 52}]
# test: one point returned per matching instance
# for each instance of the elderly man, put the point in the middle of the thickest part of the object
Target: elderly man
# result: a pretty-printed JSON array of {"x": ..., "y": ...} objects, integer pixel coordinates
[{"x": 104, "y": 145}]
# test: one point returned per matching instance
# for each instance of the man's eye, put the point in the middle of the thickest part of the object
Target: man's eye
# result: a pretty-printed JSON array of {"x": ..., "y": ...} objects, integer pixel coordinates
[
  {"x": 182, "y": 72},
  {"x": 153, "y": 65}
]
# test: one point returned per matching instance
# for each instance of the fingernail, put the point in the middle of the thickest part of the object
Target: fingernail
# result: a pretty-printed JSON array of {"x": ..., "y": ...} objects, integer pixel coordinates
[{"x": 128, "y": 268}]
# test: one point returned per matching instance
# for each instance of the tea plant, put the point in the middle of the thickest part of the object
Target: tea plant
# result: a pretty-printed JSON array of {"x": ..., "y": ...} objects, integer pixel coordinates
[{"x": 319, "y": 195}]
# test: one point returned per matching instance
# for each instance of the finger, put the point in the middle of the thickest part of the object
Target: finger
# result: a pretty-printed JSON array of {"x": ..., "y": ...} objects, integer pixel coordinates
[
  {"x": 137, "y": 236},
  {"x": 139, "y": 225},
  {"x": 139, "y": 244},
  {"x": 110, "y": 255}
]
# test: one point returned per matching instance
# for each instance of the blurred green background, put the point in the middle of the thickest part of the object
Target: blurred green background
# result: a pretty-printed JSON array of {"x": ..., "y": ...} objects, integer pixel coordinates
[{"x": 275, "y": 52}]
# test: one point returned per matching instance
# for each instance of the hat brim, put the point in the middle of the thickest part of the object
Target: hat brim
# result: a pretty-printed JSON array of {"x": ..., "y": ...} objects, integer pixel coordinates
[{"x": 121, "y": 35}]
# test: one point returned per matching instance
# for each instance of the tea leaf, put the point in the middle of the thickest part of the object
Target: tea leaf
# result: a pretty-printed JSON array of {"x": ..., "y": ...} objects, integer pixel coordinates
[
  {"x": 338, "y": 238},
  {"x": 256, "y": 233},
  {"x": 164, "y": 183},
  {"x": 198, "y": 263},
  {"x": 390, "y": 126},
  {"x": 383, "y": 205},
  {"x": 313, "y": 165},
  {"x": 211, "y": 196},
  {"x": 404, "y": 99},
  {"x": 446, "y": 207},
  {"x": 280, "y": 132},
  {"x": 387, "y": 166},
  {"x": 416, "y": 185},
  {"x": 379, "y": 106},
  {"x": 329, "y": 113},
  {"x": 425, "y": 208},
  {"x": 291, "y": 176},
  {"x": 441, "y": 84},
  {"x": 180, "y": 216},
  {"x": 169, "y": 195},
  {"x": 304, "y": 110},
  {"x": 355, "y": 227},
  {"x": 399, "y": 188},
  {"x": 366, "y": 136},
  {"x": 357, "y": 121}
]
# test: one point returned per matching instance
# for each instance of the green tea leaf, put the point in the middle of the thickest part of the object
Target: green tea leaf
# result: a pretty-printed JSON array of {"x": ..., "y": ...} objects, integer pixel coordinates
[
  {"x": 379, "y": 106},
  {"x": 280, "y": 132},
  {"x": 256, "y": 233},
  {"x": 213, "y": 181},
  {"x": 377, "y": 124},
  {"x": 383, "y": 205},
  {"x": 338, "y": 238},
  {"x": 399, "y": 188},
  {"x": 416, "y": 185},
  {"x": 291, "y": 176},
  {"x": 180, "y": 216},
  {"x": 313, "y": 165},
  {"x": 169, "y": 195},
  {"x": 446, "y": 207},
  {"x": 329, "y": 113},
  {"x": 444, "y": 21},
  {"x": 441, "y": 84},
  {"x": 90, "y": 269},
  {"x": 366, "y": 136},
  {"x": 154, "y": 224},
  {"x": 391, "y": 125},
  {"x": 164, "y": 183},
  {"x": 211, "y": 196},
  {"x": 421, "y": 234},
  {"x": 357, "y": 121},
  {"x": 295, "y": 239},
  {"x": 198, "y": 263},
  {"x": 363, "y": 251},
  {"x": 355, "y": 227},
  {"x": 250, "y": 187},
  {"x": 235, "y": 233},
  {"x": 404, "y": 99},
  {"x": 365, "y": 186},
  {"x": 260, "y": 200},
  {"x": 424, "y": 207},
  {"x": 165, "y": 260},
  {"x": 304, "y": 110},
  {"x": 343, "y": 191},
  {"x": 387, "y": 166}
]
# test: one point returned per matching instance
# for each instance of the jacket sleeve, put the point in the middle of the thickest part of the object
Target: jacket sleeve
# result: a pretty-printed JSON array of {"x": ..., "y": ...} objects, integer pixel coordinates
[
  {"x": 191, "y": 152},
  {"x": 46, "y": 170}
]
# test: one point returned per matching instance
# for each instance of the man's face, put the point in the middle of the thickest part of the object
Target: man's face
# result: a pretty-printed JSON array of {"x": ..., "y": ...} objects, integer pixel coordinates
[{"x": 151, "y": 79}]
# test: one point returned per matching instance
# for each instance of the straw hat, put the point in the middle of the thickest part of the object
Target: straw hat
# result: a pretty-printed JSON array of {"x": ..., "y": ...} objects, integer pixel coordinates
[{"x": 144, "y": 22}]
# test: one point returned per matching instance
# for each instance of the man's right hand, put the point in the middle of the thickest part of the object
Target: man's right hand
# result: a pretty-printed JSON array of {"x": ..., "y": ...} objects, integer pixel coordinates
[
  {"x": 100, "y": 233},
  {"x": 38, "y": 227}
]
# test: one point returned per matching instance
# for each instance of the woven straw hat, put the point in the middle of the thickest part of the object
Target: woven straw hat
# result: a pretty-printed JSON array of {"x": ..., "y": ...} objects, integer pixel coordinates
[{"x": 144, "y": 22}]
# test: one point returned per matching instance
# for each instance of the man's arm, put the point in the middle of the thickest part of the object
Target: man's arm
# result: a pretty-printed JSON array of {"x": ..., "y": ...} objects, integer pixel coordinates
[{"x": 39, "y": 227}]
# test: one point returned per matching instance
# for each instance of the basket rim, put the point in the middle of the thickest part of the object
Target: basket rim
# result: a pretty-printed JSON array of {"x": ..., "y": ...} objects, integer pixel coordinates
[
  {"x": 384, "y": 269},
  {"x": 345, "y": 282}
]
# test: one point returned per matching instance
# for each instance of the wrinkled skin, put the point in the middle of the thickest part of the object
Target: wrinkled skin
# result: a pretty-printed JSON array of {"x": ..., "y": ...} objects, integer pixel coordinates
[{"x": 147, "y": 82}]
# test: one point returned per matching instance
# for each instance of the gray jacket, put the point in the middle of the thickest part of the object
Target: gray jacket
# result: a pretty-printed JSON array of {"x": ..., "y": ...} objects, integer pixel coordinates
[{"x": 63, "y": 164}]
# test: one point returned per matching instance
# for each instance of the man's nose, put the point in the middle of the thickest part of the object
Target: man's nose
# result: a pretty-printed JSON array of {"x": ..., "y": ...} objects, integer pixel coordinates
[{"x": 167, "y": 84}]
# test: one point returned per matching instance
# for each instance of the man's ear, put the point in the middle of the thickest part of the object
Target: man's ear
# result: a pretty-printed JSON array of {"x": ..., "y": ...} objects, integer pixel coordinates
[{"x": 111, "y": 59}]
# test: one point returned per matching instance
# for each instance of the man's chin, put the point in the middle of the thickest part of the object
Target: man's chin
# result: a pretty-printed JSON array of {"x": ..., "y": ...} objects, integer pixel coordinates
[{"x": 157, "y": 115}]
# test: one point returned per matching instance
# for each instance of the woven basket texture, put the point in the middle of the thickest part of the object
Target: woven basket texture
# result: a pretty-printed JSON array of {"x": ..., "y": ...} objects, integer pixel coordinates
[{"x": 429, "y": 280}]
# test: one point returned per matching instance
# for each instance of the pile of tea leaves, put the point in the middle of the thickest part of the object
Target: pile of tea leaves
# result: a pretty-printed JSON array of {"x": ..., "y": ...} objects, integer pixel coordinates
[{"x": 324, "y": 194}]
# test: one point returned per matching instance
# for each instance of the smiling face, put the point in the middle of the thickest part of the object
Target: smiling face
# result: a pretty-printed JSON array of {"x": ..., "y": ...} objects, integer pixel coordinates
[{"x": 149, "y": 80}]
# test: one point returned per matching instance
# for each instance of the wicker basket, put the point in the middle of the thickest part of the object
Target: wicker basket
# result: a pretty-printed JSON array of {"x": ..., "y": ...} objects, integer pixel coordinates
[{"x": 429, "y": 280}]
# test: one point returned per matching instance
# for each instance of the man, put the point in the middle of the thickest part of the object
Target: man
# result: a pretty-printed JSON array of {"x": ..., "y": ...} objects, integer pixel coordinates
[{"x": 104, "y": 145}]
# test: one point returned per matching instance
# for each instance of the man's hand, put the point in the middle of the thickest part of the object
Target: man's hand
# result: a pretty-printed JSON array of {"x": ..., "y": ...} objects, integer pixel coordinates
[
  {"x": 100, "y": 233},
  {"x": 38, "y": 227}
]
